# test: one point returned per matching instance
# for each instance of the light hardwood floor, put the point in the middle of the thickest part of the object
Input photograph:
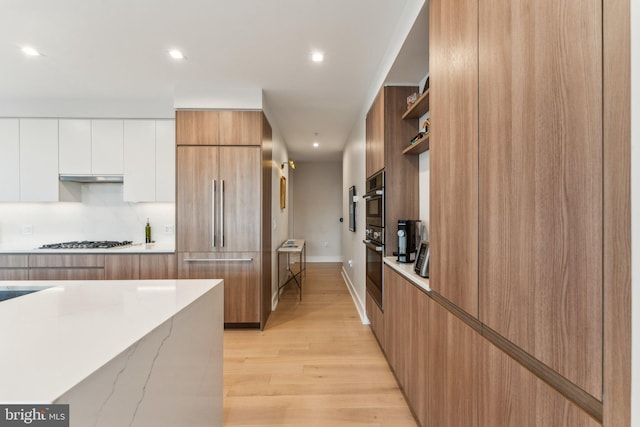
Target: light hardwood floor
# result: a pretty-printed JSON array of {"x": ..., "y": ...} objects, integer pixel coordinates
[{"x": 315, "y": 364}]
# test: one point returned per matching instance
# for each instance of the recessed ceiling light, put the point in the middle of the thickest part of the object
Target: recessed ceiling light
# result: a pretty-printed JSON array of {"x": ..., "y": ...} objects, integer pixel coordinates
[
  {"x": 317, "y": 56},
  {"x": 176, "y": 54},
  {"x": 27, "y": 50},
  {"x": 316, "y": 145}
]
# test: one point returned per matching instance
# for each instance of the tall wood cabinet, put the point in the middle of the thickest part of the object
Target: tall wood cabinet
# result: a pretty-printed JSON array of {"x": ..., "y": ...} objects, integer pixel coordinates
[
  {"x": 518, "y": 186},
  {"x": 541, "y": 183},
  {"x": 453, "y": 191},
  {"x": 219, "y": 207}
]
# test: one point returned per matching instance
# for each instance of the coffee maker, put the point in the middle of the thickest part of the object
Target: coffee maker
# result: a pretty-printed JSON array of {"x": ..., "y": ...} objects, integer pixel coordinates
[{"x": 408, "y": 230}]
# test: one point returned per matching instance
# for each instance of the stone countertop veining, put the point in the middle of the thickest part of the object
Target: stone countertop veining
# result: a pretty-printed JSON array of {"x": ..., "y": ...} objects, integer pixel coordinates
[
  {"x": 55, "y": 338},
  {"x": 406, "y": 270}
]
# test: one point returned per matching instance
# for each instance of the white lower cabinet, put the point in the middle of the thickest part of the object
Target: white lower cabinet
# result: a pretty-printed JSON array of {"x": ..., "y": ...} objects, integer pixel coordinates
[
  {"x": 39, "y": 160},
  {"x": 10, "y": 160}
]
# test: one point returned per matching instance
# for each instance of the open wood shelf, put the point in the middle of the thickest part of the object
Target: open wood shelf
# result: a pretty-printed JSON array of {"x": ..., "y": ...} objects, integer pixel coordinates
[
  {"x": 418, "y": 147},
  {"x": 418, "y": 109}
]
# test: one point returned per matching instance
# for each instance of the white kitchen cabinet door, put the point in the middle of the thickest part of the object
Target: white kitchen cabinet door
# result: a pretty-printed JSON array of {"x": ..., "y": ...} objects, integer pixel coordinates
[
  {"x": 165, "y": 161},
  {"x": 39, "y": 160},
  {"x": 10, "y": 160},
  {"x": 139, "y": 161},
  {"x": 107, "y": 147},
  {"x": 74, "y": 142}
]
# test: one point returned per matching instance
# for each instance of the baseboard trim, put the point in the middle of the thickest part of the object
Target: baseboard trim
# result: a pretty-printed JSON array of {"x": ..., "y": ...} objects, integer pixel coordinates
[
  {"x": 360, "y": 307},
  {"x": 324, "y": 259}
]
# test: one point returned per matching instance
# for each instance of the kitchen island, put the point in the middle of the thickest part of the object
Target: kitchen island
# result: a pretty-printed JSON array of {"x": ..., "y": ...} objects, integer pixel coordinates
[{"x": 130, "y": 352}]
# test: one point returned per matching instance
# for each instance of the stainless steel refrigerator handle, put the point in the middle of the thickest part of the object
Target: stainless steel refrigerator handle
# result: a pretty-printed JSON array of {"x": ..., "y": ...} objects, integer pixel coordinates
[
  {"x": 218, "y": 259},
  {"x": 222, "y": 213},
  {"x": 213, "y": 213}
]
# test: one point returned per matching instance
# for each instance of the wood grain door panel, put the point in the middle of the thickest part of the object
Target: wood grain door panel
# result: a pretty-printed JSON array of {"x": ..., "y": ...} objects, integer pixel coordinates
[
  {"x": 540, "y": 181},
  {"x": 240, "y": 128},
  {"x": 158, "y": 266},
  {"x": 197, "y": 127},
  {"x": 14, "y": 274},
  {"x": 511, "y": 396},
  {"x": 197, "y": 179},
  {"x": 66, "y": 274},
  {"x": 453, "y": 370},
  {"x": 122, "y": 267},
  {"x": 453, "y": 60},
  {"x": 374, "y": 161},
  {"x": 241, "y": 274},
  {"x": 376, "y": 319},
  {"x": 240, "y": 200}
]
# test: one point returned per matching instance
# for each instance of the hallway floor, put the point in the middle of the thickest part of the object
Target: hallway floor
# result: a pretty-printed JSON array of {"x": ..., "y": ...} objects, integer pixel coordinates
[{"x": 315, "y": 364}]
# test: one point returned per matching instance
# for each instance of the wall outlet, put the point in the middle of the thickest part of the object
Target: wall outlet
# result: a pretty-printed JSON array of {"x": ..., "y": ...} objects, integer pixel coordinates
[
  {"x": 350, "y": 262},
  {"x": 168, "y": 229},
  {"x": 326, "y": 244},
  {"x": 27, "y": 229}
]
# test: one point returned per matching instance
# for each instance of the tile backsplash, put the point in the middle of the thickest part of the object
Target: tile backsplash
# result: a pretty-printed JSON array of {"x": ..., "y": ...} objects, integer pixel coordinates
[{"x": 101, "y": 215}]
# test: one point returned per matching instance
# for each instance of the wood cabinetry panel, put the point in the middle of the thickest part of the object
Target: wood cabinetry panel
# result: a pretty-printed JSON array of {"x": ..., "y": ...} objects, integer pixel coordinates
[
  {"x": 511, "y": 396},
  {"x": 376, "y": 319},
  {"x": 453, "y": 61},
  {"x": 406, "y": 342},
  {"x": 540, "y": 181},
  {"x": 66, "y": 274},
  {"x": 197, "y": 127},
  {"x": 374, "y": 144},
  {"x": 81, "y": 260},
  {"x": 452, "y": 370},
  {"x": 14, "y": 261},
  {"x": 158, "y": 266},
  {"x": 196, "y": 172},
  {"x": 240, "y": 221},
  {"x": 14, "y": 274},
  {"x": 240, "y": 128},
  {"x": 241, "y": 274},
  {"x": 122, "y": 267},
  {"x": 617, "y": 211},
  {"x": 267, "y": 171}
]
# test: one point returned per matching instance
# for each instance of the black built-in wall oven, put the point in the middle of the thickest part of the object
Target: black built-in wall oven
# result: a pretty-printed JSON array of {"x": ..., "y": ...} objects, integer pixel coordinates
[{"x": 374, "y": 235}]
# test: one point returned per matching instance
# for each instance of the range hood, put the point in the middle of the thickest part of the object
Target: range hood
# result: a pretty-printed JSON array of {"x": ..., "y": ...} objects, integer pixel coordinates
[{"x": 107, "y": 179}]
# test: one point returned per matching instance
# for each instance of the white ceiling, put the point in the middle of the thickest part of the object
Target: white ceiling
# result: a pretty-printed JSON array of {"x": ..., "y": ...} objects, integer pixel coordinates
[{"x": 103, "y": 51}]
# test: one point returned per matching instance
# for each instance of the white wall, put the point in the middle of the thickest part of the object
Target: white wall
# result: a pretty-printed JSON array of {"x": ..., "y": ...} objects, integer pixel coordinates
[
  {"x": 353, "y": 173},
  {"x": 279, "y": 217},
  {"x": 317, "y": 208},
  {"x": 102, "y": 215},
  {"x": 635, "y": 213}
]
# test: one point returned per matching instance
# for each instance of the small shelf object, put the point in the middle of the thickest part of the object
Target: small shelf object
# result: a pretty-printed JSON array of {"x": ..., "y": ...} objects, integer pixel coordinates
[
  {"x": 419, "y": 108},
  {"x": 418, "y": 147}
]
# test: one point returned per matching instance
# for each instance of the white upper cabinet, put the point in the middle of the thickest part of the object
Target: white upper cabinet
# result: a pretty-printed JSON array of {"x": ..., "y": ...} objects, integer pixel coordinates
[
  {"x": 149, "y": 160},
  {"x": 74, "y": 155},
  {"x": 9, "y": 160},
  {"x": 165, "y": 160},
  {"x": 139, "y": 160},
  {"x": 39, "y": 160},
  {"x": 107, "y": 147}
]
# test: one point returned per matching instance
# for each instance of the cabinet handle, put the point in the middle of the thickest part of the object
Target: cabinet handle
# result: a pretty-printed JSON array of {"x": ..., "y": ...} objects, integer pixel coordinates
[
  {"x": 222, "y": 213},
  {"x": 218, "y": 259},
  {"x": 213, "y": 213}
]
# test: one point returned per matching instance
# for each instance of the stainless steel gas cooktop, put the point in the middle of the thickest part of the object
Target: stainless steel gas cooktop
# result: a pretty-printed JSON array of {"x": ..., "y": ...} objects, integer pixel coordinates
[{"x": 86, "y": 244}]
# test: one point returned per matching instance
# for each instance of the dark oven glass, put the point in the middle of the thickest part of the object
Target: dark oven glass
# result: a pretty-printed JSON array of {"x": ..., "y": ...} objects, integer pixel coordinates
[
  {"x": 374, "y": 272},
  {"x": 375, "y": 211}
]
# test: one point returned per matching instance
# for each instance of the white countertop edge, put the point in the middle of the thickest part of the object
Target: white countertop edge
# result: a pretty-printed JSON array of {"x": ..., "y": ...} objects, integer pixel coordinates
[
  {"x": 55, "y": 338},
  {"x": 406, "y": 270},
  {"x": 134, "y": 249}
]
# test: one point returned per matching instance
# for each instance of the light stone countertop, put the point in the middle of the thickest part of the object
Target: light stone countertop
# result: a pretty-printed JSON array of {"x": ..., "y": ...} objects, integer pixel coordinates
[
  {"x": 55, "y": 338},
  {"x": 406, "y": 270},
  {"x": 136, "y": 248}
]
